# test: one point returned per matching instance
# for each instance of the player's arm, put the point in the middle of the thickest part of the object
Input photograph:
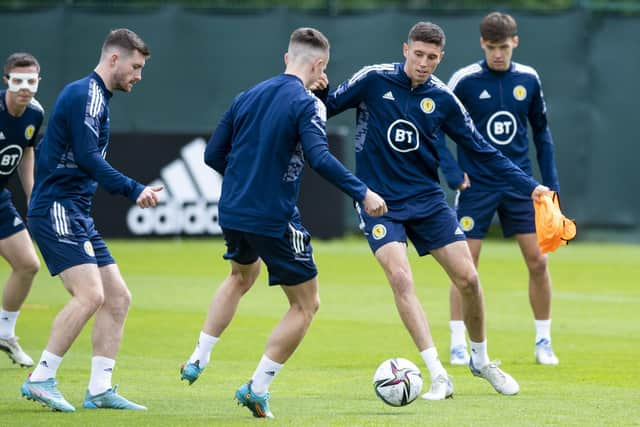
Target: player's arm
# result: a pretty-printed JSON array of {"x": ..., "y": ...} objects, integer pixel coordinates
[
  {"x": 85, "y": 133},
  {"x": 349, "y": 94},
  {"x": 460, "y": 128},
  {"x": 25, "y": 171},
  {"x": 313, "y": 137},
  {"x": 543, "y": 140},
  {"x": 456, "y": 178},
  {"x": 27, "y": 164},
  {"x": 219, "y": 145}
]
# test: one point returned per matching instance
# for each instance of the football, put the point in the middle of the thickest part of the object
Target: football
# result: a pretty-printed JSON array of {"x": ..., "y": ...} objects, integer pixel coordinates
[{"x": 397, "y": 381}]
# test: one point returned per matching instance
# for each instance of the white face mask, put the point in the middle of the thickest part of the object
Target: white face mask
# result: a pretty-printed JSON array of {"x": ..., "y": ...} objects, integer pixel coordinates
[{"x": 28, "y": 81}]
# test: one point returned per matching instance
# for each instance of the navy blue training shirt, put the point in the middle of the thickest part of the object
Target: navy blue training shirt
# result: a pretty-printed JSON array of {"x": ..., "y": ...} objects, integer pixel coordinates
[
  {"x": 70, "y": 160},
  {"x": 260, "y": 146},
  {"x": 16, "y": 134},
  {"x": 501, "y": 103},
  {"x": 399, "y": 137}
]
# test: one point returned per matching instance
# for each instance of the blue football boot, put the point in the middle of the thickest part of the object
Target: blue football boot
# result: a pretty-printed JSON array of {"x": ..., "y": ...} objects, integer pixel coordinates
[
  {"x": 258, "y": 405},
  {"x": 47, "y": 393},
  {"x": 190, "y": 371},
  {"x": 110, "y": 399}
]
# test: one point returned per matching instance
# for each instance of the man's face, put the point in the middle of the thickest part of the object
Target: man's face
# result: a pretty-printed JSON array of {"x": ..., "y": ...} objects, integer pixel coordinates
[
  {"x": 23, "y": 85},
  {"x": 498, "y": 54},
  {"x": 422, "y": 59},
  {"x": 128, "y": 70}
]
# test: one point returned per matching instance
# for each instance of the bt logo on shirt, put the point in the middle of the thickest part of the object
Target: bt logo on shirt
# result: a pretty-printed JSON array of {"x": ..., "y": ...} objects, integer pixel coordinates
[
  {"x": 403, "y": 136},
  {"x": 501, "y": 127},
  {"x": 10, "y": 158}
]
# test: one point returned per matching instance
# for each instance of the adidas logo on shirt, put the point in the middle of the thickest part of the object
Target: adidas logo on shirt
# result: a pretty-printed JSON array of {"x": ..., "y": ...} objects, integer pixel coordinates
[
  {"x": 16, "y": 221},
  {"x": 2, "y": 137},
  {"x": 189, "y": 202},
  {"x": 484, "y": 95},
  {"x": 388, "y": 96}
]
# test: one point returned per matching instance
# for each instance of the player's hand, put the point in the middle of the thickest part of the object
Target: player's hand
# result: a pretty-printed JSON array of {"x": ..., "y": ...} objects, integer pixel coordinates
[
  {"x": 148, "y": 198},
  {"x": 466, "y": 183},
  {"x": 320, "y": 84},
  {"x": 373, "y": 204},
  {"x": 539, "y": 191}
]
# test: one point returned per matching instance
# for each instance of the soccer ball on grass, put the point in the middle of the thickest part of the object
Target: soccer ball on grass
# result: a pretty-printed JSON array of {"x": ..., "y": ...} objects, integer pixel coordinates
[{"x": 397, "y": 381}]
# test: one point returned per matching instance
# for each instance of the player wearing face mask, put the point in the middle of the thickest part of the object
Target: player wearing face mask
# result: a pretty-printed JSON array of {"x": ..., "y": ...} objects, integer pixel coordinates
[{"x": 20, "y": 120}]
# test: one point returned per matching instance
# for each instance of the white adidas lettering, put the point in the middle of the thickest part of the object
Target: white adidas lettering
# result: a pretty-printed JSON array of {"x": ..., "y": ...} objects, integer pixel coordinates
[{"x": 189, "y": 202}]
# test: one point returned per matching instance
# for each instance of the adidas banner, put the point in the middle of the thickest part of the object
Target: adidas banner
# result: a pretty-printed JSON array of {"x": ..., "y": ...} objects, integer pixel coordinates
[{"x": 189, "y": 202}]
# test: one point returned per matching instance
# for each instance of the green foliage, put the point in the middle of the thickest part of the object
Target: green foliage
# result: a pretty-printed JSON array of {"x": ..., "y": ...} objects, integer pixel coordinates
[{"x": 328, "y": 380}]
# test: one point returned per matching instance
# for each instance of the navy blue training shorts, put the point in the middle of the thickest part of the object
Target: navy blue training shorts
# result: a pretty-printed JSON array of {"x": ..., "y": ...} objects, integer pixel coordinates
[
  {"x": 431, "y": 232},
  {"x": 67, "y": 238},
  {"x": 475, "y": 211},
  {"x": 10, "y": 220},
  {"x": 289, "y": 259}
]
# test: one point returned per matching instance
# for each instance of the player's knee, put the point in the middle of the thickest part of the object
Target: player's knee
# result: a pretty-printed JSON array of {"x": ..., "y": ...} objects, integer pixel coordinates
[
  {"x": 93, "y": 300},
  {"x": 401, "y": 281},
  {"x": 537, "y": 265},
  {"x": 29, "y": 268},
  {"x": 124, "y": 300},
  {"x": 243, "y": 280},
  {"x": 307, "y": 306},
  {"x": 315, "y": 305},
  {"x": 468, "y": 283}
]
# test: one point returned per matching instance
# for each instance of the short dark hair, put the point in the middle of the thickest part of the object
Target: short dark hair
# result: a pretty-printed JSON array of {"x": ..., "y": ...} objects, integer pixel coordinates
[
  {"x": 496, "y": 27},
  {"x": 127, "y": 40},
  {"x": 309, "y": 37},
  {"x": 20, "y": 59},
  {"x": 427, "y": 32}
]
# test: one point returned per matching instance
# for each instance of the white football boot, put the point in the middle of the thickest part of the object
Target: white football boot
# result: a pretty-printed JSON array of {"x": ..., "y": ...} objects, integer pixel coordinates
[
  {"x": 441, "y": 388},
  {"x": 502, "y": 382},
  {"x": 544, "y": 353},
  {"x": 14, "y": 351}
]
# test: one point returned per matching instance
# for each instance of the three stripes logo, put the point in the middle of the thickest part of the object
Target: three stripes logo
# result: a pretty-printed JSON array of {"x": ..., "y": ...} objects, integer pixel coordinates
[{"x": 189, "y": 201}]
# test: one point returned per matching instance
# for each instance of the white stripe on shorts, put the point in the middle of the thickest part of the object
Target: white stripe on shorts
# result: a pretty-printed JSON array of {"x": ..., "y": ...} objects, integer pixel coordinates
[
  {"x": 297, "y": 240},
  {"x": 60, "y": 218}
]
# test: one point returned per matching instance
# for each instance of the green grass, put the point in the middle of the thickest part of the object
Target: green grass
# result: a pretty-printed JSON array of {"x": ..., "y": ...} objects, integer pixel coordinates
[{"x": 328, "y": 381}]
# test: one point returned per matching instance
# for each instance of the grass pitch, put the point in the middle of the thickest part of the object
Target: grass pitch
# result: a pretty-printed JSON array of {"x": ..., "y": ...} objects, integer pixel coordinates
[{"x": 327, "y": 382}]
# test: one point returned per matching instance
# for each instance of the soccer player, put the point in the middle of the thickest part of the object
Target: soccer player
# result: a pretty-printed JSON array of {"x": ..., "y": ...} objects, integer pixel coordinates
[
  {"x": 260, "y": 146},
  {"x": 70, "y": 164},
  {"x": 402, "y": 112},
  {"x": 501, "y": 96},
  {"x": 20, "y": 119}
]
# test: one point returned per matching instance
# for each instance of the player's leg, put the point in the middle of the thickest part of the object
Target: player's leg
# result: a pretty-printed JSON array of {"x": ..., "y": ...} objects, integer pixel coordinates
[
  {"x": 19, "y": 252},
  {"x": 517, "y": 216},
  {"x": 290, "y": 263},
  {"x": 222, "y": 308},
  {"x": 245, "y": 268},
  {"x": 107, "y": 335},
  {"x": 475, "y": 210},
  {"x": 457, "y": 261},
  {"x": 395, "y": 263},
  {"x": 387, "y": 239},
  {"x": 64, "y": 241},
  {"x": 459, "y": 355},
  {"x": 539, "y": 296},
  {"x": 285, "y": 338},
  {"x": 84, "y": 284}
]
